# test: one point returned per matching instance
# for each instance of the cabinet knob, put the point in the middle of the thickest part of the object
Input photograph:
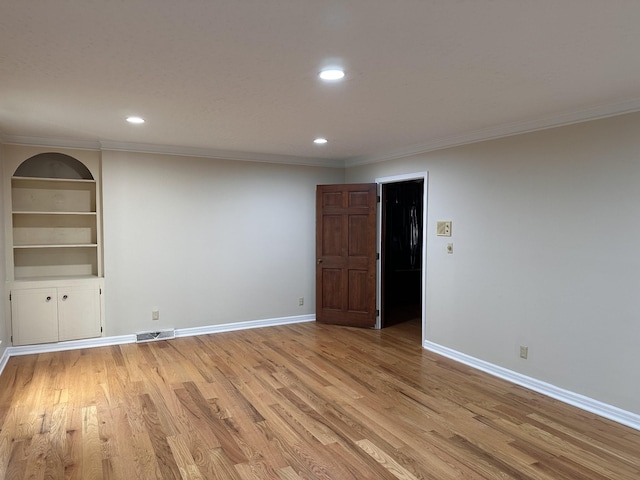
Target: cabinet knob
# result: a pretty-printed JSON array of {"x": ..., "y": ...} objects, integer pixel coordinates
[
  {"x": 64, "y": 297},
  {"x": 48, "y": 299}
]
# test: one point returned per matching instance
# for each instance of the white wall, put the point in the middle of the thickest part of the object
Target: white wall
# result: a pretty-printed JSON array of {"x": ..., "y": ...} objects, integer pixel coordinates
[
  {"x": 546, "y": 233},
  {"x": 206, "y": 241}
]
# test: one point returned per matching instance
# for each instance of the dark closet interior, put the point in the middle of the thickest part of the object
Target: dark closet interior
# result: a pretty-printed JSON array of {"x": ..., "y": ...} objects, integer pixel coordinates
[{"x": 402, "y": 251}]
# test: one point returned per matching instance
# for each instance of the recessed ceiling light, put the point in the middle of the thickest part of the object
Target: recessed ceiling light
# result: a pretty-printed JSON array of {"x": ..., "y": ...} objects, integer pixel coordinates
[
  {"x": 320, "y": 141},
  {"x": 332, "y": 74},
  {"x": 136, "y": 120}
]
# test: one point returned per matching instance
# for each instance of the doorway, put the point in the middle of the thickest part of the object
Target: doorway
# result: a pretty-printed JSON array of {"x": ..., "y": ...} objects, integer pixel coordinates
[{"x": 402, "y": 228}]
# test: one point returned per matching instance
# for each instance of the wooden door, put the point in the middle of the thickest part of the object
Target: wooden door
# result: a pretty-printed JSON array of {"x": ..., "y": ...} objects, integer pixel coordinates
[
  {"x": 346, "y": 254},
  {"x": 34, "y": 316},
  {"x": 79, "y": 312}
]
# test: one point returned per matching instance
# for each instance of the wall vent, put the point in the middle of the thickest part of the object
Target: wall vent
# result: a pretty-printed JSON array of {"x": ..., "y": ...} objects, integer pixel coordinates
[{"x": 156, "y": 335}]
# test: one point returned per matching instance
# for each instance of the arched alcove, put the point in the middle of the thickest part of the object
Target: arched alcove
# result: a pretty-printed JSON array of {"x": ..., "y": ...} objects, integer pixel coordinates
[
  {"x": 53, "y": 165},
  {"x": 53, "y": 244},
  {"x": 55, "y": 218}
]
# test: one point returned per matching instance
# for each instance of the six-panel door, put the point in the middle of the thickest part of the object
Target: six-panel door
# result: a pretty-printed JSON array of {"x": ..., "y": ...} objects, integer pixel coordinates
[{"x": 346, "y": 254}]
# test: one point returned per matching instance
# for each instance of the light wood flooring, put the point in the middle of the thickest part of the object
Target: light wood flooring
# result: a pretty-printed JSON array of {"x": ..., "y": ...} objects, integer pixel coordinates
[{"x": 305, "y": 401}]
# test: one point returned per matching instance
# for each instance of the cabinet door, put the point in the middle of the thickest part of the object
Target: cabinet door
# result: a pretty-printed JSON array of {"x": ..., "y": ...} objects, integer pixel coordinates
[
  {"x": 79, "y": 312},
  {"x": 34, "y": 316}
]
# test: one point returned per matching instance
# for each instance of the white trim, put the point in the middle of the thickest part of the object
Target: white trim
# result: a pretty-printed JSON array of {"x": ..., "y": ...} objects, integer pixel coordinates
[
  {"x": 172, "y": 150},
  {"x": 71, "y": 345},
  {"x": 394, "y": 179},
  {"x": 402, "y": 178},
  {"x": 588, "y": 114},
  {"x": 221, "y": 154},
  {"x": 605, "y": 410},
  {"x": 594, "y": 112},
  {"x": 122, "y": 339},
  {"x": 50, "y": 142},
  {"x": 230, "y": 327},
  {"x": 4, "y": 359}
]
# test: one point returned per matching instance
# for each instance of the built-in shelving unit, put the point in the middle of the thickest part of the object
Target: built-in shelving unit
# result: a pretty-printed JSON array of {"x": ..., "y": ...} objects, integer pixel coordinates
[
  {"x": 54, "y": 244},
  {"x": 55, "y": 227}
]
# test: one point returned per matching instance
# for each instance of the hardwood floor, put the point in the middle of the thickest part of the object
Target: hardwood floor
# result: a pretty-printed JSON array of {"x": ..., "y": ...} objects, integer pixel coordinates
[{"x": 305, "y": 401}]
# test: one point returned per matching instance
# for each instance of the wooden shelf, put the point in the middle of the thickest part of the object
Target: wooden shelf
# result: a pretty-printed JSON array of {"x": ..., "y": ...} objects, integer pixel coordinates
[
  {"x": 46, "y": 212},
  {"x": 64, "y": 260},
  {"x": 60, "y": 245},
  {"x": 30, "y": 282},
  {"x": 37, "y": 229},
  {"x": 51, "y": 180}
]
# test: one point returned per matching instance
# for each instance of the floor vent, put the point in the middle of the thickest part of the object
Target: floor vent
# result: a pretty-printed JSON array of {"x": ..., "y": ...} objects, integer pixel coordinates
[{"x": 155, "y": 336}]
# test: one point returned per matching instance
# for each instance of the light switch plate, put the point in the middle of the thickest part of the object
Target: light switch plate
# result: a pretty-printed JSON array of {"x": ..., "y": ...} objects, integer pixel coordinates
[{"x": 443, "y": 229}]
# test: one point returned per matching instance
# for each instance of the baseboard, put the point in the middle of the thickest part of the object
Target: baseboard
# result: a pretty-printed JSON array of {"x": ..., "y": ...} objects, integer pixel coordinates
[
  {"x": 70, "y": 345},
  {"x": 230, "y": 327},
  {"x": 575, "y": 399},
  {"x": 4, "y": 359},
  {"x": 122, "y": 339}
]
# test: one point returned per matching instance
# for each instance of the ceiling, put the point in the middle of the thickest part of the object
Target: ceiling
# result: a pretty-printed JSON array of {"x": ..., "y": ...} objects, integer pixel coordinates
[{"x": 238, "y": 78}]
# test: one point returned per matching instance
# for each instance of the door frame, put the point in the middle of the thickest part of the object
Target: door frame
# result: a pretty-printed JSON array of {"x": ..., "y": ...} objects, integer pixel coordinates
[{"x": 397, "y": 179}]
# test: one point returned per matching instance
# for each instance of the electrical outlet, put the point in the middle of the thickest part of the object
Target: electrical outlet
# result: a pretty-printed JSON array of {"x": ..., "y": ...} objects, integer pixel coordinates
[
  {"x": 301, "y": 301},
  {"x": 155, "y": 314},
  {"x": 524, "y": 352}
]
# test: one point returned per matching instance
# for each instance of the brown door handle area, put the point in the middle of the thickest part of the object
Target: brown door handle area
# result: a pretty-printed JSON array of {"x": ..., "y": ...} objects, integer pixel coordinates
[{"x": 319, "y": 261}]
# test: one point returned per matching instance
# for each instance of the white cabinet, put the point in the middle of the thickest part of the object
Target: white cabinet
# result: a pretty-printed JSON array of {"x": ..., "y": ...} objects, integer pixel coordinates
[
  {"x": 55, "y": 314},
  {"x": 79, "y": 313},
  {"x": 34, "y": 316}
]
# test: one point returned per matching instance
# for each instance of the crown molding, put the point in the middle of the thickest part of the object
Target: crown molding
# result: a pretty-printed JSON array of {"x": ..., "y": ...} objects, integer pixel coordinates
[
  {"x": 50, "y": 142},
  {"x": 220, "y": 154},
  {"x": 505, "y": 130},
  {"x": 595, "y": 112},
  {"x": 170, "y": 150}
]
